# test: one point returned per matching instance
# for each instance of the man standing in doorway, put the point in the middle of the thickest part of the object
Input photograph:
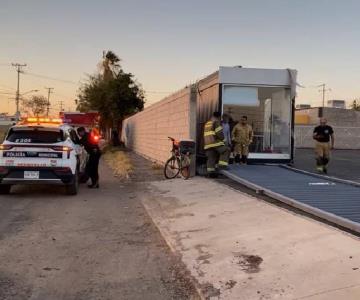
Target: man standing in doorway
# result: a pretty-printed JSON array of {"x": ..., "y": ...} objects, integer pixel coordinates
[
  {"x": 242, "y": 135},
  {"x": 323, "y": 134},
  {"x": 226, "y": 129},
  {"x": 214, "y": 145}
]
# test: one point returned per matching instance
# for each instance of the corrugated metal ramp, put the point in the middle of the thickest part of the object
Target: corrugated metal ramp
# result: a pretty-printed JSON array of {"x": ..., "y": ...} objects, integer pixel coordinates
[{"x": 335, "y": 200}]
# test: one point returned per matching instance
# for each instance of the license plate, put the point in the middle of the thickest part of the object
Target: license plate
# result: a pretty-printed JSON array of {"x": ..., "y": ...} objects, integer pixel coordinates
[
  {"x": 31, "y": 174},
  {"x": 33, "y": 154}
]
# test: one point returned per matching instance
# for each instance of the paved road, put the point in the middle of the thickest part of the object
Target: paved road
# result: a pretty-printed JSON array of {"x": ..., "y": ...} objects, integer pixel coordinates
[
  {"x": 344, "y": 163},
  {"x": 98, "y": 245}
]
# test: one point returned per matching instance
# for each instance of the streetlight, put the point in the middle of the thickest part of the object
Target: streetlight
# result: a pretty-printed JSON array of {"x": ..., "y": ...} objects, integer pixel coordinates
[{"x": 28, "y": 92}]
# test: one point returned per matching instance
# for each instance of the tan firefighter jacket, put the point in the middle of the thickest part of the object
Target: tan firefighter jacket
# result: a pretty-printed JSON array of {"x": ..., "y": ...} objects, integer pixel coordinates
[{"x": 242, "y": 134}]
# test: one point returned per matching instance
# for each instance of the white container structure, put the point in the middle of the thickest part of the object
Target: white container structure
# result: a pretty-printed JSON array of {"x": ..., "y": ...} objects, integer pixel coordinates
[{"x": 265, "y": 96}]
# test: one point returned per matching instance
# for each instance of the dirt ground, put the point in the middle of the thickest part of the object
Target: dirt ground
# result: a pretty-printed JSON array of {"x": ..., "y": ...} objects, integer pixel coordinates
[{"x": 100, "y": 244}]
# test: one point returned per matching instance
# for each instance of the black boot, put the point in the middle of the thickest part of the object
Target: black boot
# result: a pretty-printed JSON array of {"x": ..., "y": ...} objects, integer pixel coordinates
[
  {"x": 319, "y": 164},
  {"x": 325, "y": 163},
  {"x": 244, "y": 159}
]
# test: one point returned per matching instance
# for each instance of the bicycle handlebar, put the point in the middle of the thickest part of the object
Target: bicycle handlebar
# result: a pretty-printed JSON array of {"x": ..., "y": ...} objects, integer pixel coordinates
[{"x": 171, "y": 139}]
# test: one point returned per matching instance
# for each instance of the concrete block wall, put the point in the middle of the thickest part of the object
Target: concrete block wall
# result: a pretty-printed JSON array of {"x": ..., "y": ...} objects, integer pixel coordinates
[
  {"x": 345, "y": 137},
  {"x": 147, "y": 132},
  {"x": 335, "y": 116},
  {"x": 342, "y": 117}
]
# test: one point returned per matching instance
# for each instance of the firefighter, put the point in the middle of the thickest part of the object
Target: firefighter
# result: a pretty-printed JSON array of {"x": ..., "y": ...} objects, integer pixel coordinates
[
  {"x": 90, "y": 143},
  {"x": 217, "y": 152},
  {"x": 242, "y": 136},
  {"x": 322, "y": 135}
]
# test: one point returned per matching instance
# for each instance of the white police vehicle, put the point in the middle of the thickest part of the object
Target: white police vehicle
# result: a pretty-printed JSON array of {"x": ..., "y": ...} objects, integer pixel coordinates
[{"x": 41, "y": 151}]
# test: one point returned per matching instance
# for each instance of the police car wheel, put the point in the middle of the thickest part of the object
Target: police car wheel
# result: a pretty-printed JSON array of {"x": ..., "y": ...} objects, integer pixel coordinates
[
  {"x": 5, "y": 189},
  {"x": 72, "y": 189}
]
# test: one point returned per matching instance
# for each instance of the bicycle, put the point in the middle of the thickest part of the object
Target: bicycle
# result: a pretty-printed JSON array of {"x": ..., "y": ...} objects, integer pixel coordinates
[{"x": 178, "y": 162}]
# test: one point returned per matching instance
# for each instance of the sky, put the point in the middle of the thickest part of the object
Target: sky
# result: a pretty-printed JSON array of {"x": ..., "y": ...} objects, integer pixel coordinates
[{"x": 168, "y": 44}]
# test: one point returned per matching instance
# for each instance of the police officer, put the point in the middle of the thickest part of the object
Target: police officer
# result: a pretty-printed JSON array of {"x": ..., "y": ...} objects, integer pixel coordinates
[
  {"x": 242, "y": 135},
  {"x": 90, "y": 143},
  {"x": 322, "y": 135},
  {"x": 214, "y": 144}
]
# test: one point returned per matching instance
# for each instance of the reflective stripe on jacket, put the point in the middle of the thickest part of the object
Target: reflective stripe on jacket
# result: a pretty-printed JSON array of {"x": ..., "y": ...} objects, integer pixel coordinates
[{"x": 213, "y": 135}]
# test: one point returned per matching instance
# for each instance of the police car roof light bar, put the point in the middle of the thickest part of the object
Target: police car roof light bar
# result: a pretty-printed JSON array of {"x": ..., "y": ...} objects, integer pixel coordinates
[{"x": 43, "y": 120}]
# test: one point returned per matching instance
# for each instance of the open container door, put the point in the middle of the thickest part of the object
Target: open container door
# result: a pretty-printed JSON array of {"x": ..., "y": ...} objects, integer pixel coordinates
[{"x": 265, "y": 97}]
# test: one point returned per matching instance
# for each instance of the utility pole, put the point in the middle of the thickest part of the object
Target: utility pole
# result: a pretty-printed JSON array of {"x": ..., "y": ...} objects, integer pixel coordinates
[
  {"x": 323, "y": 91},
  {"x": 61, "y": 103},
  {"x": 50, "y": 90},
  {"x": 17, "y": 97}
]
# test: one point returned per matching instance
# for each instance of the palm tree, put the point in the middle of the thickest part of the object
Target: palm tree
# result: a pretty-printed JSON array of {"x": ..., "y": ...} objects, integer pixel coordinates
[
  {"x": 355, "y": 105},
  {"x": 110, "y": 64}
]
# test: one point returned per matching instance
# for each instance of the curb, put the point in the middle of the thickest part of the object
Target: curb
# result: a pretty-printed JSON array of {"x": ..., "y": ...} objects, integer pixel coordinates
[{"x": 326, "y": 177}]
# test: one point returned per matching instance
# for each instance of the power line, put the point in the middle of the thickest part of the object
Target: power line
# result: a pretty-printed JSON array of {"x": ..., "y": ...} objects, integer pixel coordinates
[
  {"x": 51, "y": 78},
  {"x": 7, "y": 87},
  {"x": 62, "y": 95},
  {"x": 157, "y": 92}
]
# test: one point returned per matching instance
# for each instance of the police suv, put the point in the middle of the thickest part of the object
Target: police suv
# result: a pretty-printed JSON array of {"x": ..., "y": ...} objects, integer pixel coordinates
[{"x": 41, "y": 151}]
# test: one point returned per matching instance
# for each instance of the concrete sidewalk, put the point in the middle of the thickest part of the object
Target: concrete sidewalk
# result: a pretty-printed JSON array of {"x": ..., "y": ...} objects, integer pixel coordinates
[{"x": 239, "y": 247}]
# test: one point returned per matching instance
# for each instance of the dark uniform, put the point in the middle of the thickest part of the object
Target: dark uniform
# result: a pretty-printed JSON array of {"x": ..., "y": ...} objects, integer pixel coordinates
[
  {"x": 92, "y": 148},
  {"x": 214, "y": 146},
  {"x": 322, "y": 135}
]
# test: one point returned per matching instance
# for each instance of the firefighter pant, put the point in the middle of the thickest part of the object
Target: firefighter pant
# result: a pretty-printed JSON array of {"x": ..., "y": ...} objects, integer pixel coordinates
[
  {"x": 322, "y": 153},
  {"x": 213, "y": 154},
  {"x": 241, "y": 149}
]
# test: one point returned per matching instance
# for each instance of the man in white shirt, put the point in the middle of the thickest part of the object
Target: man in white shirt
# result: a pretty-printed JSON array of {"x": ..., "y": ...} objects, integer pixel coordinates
[{"x": 226, "y": 129}]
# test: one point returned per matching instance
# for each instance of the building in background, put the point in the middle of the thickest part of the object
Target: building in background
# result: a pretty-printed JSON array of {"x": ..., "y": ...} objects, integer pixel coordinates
[
  {"x": 6, "y": 119},
  {"x": 303, "y": 106},
  {"x": 336, "y": 103}
]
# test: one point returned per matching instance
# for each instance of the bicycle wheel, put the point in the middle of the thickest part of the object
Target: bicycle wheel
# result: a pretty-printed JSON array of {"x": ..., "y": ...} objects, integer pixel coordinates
[
  {"x": 185, "y": 166},
  {"x": 172, "y": 168}
]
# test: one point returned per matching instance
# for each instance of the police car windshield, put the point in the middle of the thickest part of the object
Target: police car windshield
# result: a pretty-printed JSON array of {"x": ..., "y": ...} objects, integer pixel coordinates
[{"x": 35, "y": 135}]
